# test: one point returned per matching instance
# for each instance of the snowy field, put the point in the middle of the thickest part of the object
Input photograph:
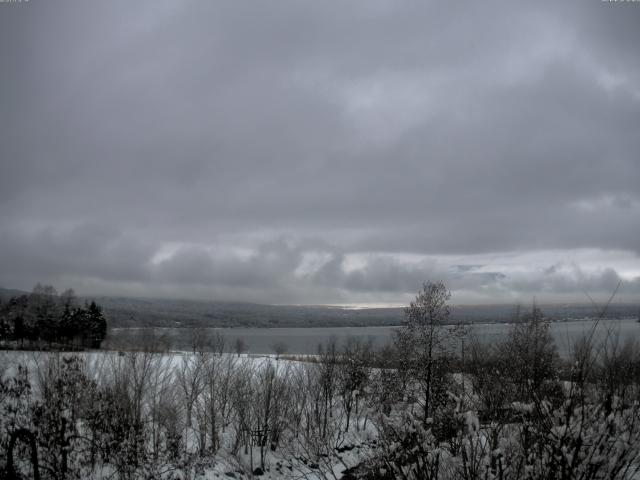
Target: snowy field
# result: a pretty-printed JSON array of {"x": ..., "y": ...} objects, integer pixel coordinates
[
  {"x": 183, "y": 415},
  {"x": 181, "y": 376}
]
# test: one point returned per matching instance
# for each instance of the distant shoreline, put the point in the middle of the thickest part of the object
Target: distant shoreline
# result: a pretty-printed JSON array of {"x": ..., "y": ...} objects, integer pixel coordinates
[{"x": 394, "y": 325}]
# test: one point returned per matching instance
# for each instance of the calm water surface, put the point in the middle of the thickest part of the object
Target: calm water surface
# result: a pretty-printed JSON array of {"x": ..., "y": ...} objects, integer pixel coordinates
[{"x": 306, "y": 340}]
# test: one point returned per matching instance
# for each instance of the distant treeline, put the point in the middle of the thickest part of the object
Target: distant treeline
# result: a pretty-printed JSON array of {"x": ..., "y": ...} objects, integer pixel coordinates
[
  {"x": 157, "y": 313},
  {"x": 141, "y": 312},
  {"x": 45, "y": 317}
]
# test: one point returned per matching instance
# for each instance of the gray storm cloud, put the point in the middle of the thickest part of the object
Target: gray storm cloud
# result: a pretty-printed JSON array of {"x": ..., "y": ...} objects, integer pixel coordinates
[{"x": 320, "y": 152}]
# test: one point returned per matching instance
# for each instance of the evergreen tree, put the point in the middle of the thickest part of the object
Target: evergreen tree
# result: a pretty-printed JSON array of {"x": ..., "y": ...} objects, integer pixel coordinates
[
  {"x": 44, "y": 315},
  {"x": 66, "y": 326},
  {"x": 97, "y": 325}
]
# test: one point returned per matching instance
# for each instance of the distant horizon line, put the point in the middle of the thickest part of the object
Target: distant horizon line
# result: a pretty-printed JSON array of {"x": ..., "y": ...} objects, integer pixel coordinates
[{"x": 344, "y": 306}]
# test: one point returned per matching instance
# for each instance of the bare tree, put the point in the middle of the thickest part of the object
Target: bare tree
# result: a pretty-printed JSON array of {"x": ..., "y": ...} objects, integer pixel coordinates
[
  {"x": 270, "y": 405},
  {"x": 215, "y": 402},
  {"x": 190, "y": 377},
  {"x": 422, "y": 343},
  {"x": 239, "y": 346},
  {"x": 327, "y": 367},
  {"x": 530, "y": 354},
  {"x": 353, "y": 375},
  {"x": 279, "y": 348}
]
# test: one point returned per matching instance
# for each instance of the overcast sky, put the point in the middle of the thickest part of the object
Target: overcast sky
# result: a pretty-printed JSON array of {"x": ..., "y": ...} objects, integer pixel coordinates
[{"x": 321, "y": 151}]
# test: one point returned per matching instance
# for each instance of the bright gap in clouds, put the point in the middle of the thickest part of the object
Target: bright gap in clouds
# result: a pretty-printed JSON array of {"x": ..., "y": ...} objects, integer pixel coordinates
[{"x": 374, "y": 279}]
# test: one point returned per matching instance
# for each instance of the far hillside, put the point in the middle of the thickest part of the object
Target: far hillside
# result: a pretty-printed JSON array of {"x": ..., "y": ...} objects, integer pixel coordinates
[{"x": 149, "y": 312}]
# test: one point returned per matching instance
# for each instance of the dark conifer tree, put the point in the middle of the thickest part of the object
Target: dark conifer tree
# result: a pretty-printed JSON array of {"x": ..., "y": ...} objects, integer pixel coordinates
[{"x": 97, "y": 325}]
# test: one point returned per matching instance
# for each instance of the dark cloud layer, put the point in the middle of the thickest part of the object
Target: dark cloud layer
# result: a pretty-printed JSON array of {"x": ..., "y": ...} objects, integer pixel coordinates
[{"x": 314, "y": 152}]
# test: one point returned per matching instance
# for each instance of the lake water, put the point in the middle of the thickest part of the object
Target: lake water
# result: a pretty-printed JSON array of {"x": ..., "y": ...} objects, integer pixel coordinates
[{"x": 306, "y": 340}]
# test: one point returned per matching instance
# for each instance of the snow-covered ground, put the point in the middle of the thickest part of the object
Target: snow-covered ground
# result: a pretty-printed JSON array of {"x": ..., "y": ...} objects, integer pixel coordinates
[{"x": 292, "y": 458}]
